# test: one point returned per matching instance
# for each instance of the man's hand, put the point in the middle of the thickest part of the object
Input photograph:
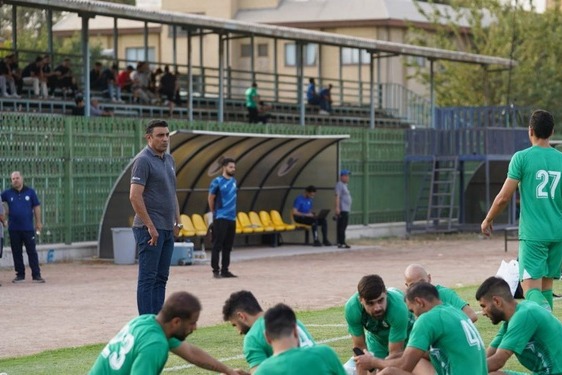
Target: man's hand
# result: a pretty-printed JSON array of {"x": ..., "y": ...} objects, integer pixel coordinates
[
  {"x": 364, "y": 361},
  {"x": 487, "y": 227},
  {"x": 153, "y": 236}
]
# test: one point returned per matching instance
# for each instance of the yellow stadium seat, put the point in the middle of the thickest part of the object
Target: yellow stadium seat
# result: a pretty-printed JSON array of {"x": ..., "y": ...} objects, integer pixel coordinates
[
  {"x": 246, "y": 223},
  {"x": 208, "y": 217},
  {"x": 242, "y": 228},
  {"x": 199, "y": 224},
  {"x": 278, "y": 221},
  {"x": 267, "y": 222},
  {"x": 238, "y": 226},
  {"x": 188, "y": 229},
  {"x": 256, "y": 221}
]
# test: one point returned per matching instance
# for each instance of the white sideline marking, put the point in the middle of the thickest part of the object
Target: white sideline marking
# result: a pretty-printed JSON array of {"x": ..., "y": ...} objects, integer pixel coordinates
[{"x": 240, "y": 356}]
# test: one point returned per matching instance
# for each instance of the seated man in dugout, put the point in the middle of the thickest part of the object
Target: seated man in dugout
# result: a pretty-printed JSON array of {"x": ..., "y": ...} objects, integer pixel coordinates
[{"x": 303, "y": 214}]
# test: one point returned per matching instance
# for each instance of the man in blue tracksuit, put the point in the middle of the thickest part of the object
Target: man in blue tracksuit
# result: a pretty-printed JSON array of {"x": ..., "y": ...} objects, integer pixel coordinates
[
  {"x": 222, "y": 203},
  {"x": 23, "y": 207}
]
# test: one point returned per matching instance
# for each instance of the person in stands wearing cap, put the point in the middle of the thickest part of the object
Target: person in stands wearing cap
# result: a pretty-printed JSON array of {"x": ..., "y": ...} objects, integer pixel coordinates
[{"x": 343, "y": 207}]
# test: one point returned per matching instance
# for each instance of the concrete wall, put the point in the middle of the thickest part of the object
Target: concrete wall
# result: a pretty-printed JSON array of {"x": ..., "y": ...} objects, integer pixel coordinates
[{"x": 61, "y": 253}]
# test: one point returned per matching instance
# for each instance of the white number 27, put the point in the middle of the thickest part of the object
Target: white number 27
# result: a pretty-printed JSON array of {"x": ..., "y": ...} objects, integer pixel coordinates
[{"x": 544, "y": 177}]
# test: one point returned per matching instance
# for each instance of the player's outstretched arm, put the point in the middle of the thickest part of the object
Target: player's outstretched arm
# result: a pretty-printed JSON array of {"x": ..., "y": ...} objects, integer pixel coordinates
[{"x": 201, "y": 358}]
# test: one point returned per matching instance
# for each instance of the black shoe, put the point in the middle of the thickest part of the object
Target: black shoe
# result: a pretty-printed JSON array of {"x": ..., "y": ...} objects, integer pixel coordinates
[
  {"x": 216, "y": 275},
  {"x": 317, "y": 243},
  {"x": 18, "y": 279},
  {"x": 228, "y": 274},
  {"x": 344, "y": 246},
  {"x": 38, "y": 280},
  {"x": 326, "y": 243}
]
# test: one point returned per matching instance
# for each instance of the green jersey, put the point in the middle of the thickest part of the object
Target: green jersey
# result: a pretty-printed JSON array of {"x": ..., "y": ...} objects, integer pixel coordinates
[
  {"x": 538, "y": 170},
  {"x": 450, "y": 297},
  {"x": 251, "y": 94},
  {"x": 454, "y": 344},
  {"x": 535, "y": 336},
  {"x": 314, "y": 360},
  {"x": 256, "y": 348},
  {"x": 393, "y": 327},
  {"x": 141, "y": 347}
]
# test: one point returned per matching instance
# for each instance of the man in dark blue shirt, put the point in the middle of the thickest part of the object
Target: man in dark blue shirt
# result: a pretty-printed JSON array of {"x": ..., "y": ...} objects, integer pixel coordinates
[
  {"x": 303, "y": 214},
  {"x": 222, "y": 203},
  {"x": 23, "y": 206}
]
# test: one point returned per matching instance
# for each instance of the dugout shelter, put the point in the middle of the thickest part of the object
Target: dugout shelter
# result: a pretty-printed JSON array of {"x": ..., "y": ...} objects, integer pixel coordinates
[{"x": 271, "y": 170}]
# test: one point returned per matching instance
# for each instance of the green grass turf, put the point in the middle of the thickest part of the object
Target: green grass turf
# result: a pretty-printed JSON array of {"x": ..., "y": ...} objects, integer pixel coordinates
[{"x": 223, "y": 342}]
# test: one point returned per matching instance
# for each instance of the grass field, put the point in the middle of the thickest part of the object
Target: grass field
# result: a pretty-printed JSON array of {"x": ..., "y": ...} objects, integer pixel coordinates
[{"x": 223, "y": 342}]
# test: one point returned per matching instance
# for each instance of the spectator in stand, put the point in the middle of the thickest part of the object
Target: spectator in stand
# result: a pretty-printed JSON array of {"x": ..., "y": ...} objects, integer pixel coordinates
[
  {"x": 6, "y": 78},
  {"x": 169, "y": 87},
  {"x": 65, "y": 79},
  {"x": 326, "y": 100},
  {"x": 16, "y": 74},
  {"x": 141, "y": 83},
  {"x": 109, "y": 83},
  {"x": 155, "y": 77},
  {"x": 78, "y": 110},
  {"x": 95, "y": 77},
  {"x": 263, "y": 112},
  {"x": 96, "y": 111},
  {"x": 48, "y": 75},
  {"x": 33, "y": 75},
  {"x": 124, "y": 79},
  {"x": 312, "y": 96},
  {"x": 252, "y": 100}
]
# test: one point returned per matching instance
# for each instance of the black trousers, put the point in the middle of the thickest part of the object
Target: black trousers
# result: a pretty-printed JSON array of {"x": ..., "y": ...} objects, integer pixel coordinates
[
  {"x": 223, "y": 239},
  {"x": 314, "y": 223},
  {"x": 253, "y": 117},
  {"x": 341, "y": 225}
]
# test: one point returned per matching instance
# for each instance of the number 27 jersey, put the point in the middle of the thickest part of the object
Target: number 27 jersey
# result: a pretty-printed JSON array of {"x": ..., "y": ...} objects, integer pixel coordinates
[{"x": 539, "y": 171}]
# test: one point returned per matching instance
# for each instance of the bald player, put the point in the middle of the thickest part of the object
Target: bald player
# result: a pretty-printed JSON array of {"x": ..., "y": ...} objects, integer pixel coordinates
[{"x": 415, "y": 273}]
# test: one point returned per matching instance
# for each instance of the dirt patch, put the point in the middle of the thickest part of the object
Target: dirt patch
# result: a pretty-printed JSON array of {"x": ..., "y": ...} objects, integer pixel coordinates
[{"x": 88, "y": 302}]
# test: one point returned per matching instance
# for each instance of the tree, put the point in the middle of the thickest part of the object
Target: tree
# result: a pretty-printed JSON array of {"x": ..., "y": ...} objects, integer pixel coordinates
[{"x": 496, "y": 28}]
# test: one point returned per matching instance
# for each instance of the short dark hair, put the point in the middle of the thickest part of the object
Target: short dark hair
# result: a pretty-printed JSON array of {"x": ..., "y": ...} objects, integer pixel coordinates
[
  {"x": 371, "y": 287},
  {"x": 280, "y": 321},
  {"x": 180, "y": 305},
  {"x": 155, "y": 124},
  {"x": 423, "y": 290},
  {"x": 227, "y": 161},
  {"x": 311, "y": 80},
  {"x": 310, "y": 189},
  {"x": 494, "y": 286},
  {"x": 542, "y": 123},
  {"x": 240, "y": 301}
]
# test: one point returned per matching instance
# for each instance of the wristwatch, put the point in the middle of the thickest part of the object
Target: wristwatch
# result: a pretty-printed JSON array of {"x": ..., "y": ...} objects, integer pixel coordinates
[{"x": 180, "y": 226}]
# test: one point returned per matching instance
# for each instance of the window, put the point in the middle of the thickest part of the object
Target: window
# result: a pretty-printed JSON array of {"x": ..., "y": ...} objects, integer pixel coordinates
[
  {"x": 309, "y": 54},
  {"x": 136, "y": 54},
  {"x": 246, "y": 50},
  {"x": 263, "y": 50},
  {"x": 351, "y": 56}
]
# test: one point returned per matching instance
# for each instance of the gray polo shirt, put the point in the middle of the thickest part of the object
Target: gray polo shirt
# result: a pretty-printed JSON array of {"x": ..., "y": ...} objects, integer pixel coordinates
[
  {"x": 158, "y": 176},
  {"x": 345, "y": 196}
]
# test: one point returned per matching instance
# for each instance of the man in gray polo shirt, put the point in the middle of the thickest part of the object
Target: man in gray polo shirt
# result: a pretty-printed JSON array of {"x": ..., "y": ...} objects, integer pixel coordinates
[
  {"x": 343, "y": 207},
  {"x": 153, "y": 197}
]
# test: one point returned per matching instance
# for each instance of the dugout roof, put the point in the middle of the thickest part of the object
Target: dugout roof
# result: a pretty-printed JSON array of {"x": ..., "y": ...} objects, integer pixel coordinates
[{"x": 271, "y": 170}]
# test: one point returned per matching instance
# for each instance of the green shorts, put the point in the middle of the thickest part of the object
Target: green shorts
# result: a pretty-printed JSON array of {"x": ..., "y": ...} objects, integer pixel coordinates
[{"x": 538, "y": 259}]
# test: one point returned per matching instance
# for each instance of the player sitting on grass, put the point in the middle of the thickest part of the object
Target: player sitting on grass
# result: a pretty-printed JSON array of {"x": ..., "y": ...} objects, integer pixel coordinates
[
  {"x": 415, "y": 273},
  {"x": 528, "y": 330},
  {"x": 454, "y": 344},
  {"x": 281, "y": 331},
  {"x": 141, "y": 347},
  {"x": 244, "y": 312}
]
